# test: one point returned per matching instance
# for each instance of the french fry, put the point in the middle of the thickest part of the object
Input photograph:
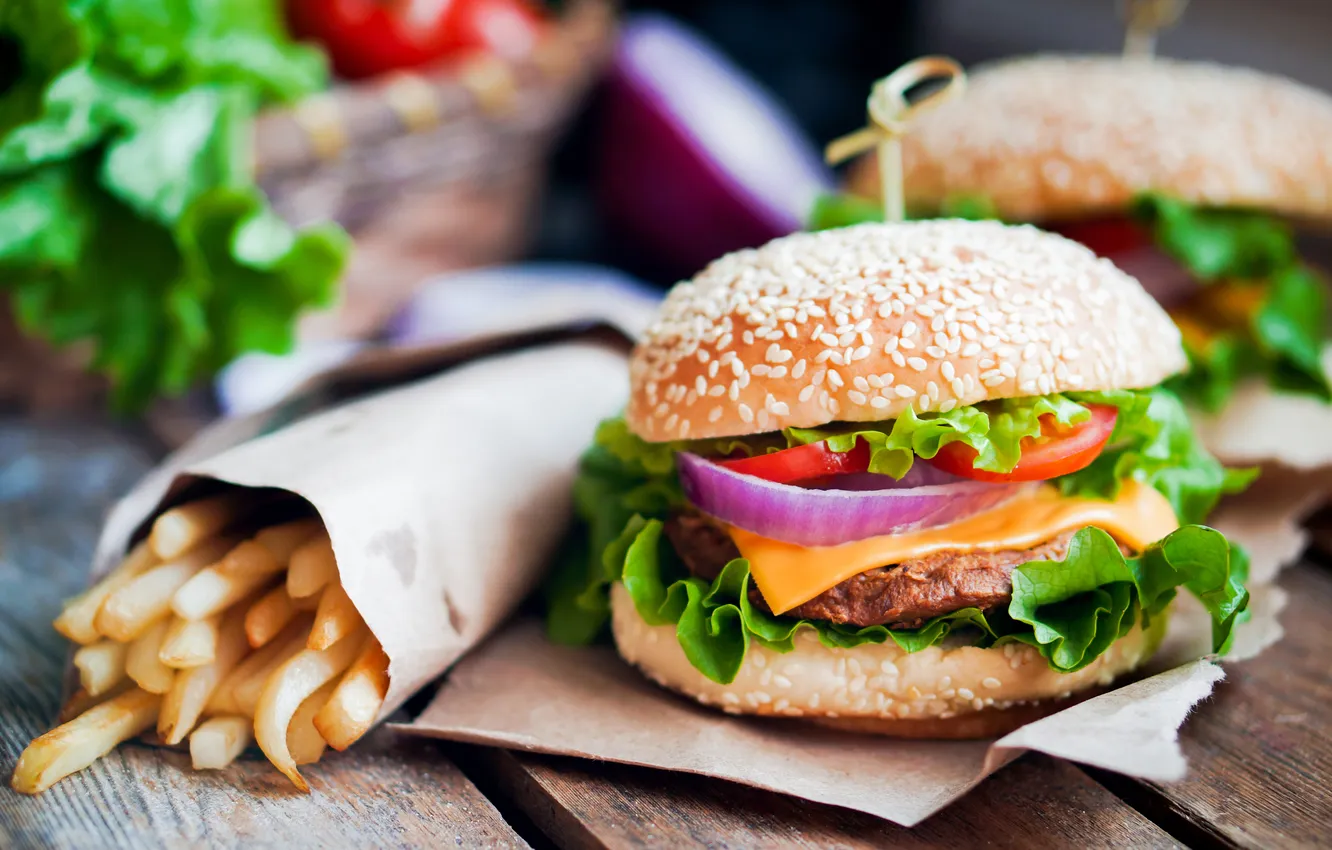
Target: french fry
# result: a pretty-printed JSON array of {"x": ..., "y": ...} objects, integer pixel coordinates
[
  {"x": 101, "y": 666},
  {"x": 182, "y": 528},
  {"x": 239, "y": 693},
  {"x": 305, "y": 603},
  {"x": 355, "y": 703},
  {"x": 77, "y": 620},
  {"x": 189, "y": 643},
  {"x": 244, "y": 570},
  {"x": 289, "y": 686},
  {"x": 303, "y": 739},
  {"x": 80, "y": 701},
  {"x": 219, "y": 740},
  {"x": 283, "y": 540},
  {"x": 142, "y": 664},
  {"x": 80, "y": 742},
  {"x": 194, "y": 687},
  {"x": 312, "y": 566},
  {"x": 268, "y": 616},
  {"x": 335, "y": 618},
  {"x": 129, "y": 611}
]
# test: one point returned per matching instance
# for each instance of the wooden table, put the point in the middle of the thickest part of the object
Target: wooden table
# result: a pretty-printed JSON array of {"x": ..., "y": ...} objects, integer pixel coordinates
[{"x": 1261, "y": 751}]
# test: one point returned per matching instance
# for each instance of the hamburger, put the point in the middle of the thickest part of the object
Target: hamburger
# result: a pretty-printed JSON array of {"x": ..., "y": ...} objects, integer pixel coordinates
[
  {"x": 1193, "y": 177},
  {"x": 919, "y": 479}
]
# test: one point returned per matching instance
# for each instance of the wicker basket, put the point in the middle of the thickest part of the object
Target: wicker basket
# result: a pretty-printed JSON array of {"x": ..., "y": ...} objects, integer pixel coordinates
[{"x": 428, "y": 172}]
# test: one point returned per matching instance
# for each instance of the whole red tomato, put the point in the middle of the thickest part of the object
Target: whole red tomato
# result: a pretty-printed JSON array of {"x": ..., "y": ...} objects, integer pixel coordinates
[{"x": 368, "y": 37}]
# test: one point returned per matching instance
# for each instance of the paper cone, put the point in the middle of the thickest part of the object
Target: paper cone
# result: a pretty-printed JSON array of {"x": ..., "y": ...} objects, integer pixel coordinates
[{"x": 444, "y": 498}]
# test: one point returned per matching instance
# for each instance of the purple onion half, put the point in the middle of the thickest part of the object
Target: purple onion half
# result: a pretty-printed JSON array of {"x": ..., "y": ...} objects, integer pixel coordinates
[
  {"x": 832, "y": 517},
  {"x": 697, "y": 159}
]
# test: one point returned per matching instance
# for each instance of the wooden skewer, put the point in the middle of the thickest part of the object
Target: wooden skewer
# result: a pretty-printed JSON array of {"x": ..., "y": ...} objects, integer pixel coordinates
[{"x": 890, "y": 113}]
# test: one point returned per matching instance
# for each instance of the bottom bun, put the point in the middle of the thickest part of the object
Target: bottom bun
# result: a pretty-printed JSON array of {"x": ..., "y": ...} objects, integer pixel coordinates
[{"x": 939, "y": 692}]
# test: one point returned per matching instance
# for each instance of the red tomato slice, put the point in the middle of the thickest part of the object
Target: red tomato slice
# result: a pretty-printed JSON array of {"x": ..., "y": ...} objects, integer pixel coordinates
[
  {"x": 1052, "y": 454},
  {"x": 507, "y": 28},
  {"x": 364, "y": 38},
  {"x": 801, "y": 463},
  {"x": 1108, "y": 237}
]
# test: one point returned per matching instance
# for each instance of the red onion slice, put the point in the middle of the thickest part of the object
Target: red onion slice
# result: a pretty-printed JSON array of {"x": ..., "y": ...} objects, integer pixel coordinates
[
  {"x": 697, "y": 159},
  {"x": 832, "y": 517}
]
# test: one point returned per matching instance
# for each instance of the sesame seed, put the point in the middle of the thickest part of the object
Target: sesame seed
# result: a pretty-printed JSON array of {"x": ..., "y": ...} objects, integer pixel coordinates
[
  {"x": 746, "y": 414},
  {"x": 715, "y": 414},
  {"x": 991, "y": 682},
  {"x": 917, "y": 363},
  {"x": 857, "y": 396}
]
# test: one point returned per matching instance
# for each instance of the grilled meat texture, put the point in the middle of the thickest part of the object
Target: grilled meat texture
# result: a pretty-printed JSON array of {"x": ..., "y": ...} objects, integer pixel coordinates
[{"x": 903, "y": 595}]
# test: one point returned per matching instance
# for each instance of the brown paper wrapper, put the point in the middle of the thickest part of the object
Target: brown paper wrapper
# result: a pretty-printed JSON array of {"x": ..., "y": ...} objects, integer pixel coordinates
[
  {"x": 521, "y": 692},
  {"x": 443, "y": 497}
]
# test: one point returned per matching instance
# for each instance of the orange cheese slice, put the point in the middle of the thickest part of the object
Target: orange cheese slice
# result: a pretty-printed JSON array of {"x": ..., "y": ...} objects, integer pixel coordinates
[{"x": 789, "y": 574}]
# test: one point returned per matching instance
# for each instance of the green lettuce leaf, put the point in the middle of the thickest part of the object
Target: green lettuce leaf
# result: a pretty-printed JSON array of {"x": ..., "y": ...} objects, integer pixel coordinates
[
  {"x": 1216, "y": 243},
  {"x": 1291, "y": 329},
  {"x": 132, "y": 217},
  {"x": 843, "y": 210},
  {"x": 995, "y": 430},
  {"x": 39, "y": 41},
  {"x": 1285, "y": 336},
  {"x": 176, "y": 307},
  {"x": 1079, "y": 606},
  {"x": 1154, "y": 443},
  {"x": 1071, "y": 611},
  {"x": 1215, "y": 370}
]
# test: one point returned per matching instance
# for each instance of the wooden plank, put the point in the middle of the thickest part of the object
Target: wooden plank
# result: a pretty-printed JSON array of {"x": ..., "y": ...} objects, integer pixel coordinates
[
  {"x": 1035, "y": 802},
  {"x": 1260, "y": 751},
  {"x": 54, "y": 487},
  {"x": 385, "y": 792}
]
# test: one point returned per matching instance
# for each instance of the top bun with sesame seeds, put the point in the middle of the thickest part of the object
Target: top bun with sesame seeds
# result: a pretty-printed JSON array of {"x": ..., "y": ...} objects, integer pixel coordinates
[
  {"x": 1056, "y": 137},
  {"x": 861, "y": 323}
]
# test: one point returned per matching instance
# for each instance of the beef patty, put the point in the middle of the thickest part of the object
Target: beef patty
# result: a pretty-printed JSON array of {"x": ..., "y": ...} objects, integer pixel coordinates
[{"x": 901, "y": 595}]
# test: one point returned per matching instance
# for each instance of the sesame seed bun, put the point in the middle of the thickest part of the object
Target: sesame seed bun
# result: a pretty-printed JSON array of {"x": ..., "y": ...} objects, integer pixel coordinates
[
  {"x": 939, "y": 692},
  {"x": 1056, "y": 137},
  {"x": 861, "y": 323}
]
